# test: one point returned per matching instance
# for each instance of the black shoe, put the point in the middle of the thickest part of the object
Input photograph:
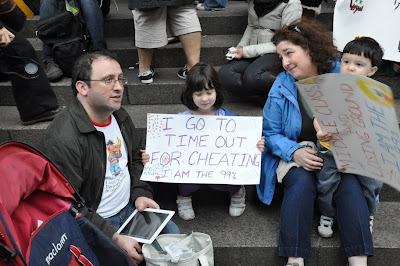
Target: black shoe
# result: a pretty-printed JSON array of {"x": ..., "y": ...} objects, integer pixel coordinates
[
  {"x": 52, "y": 70},
  {"x": 182, "y": 73},
  {"x": 147, "y": 77},
  {"x": 46, "y": 116}
]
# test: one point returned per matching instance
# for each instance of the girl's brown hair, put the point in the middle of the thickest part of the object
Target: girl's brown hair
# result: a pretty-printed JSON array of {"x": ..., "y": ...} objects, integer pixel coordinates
[{"x": 202, "y": 76}]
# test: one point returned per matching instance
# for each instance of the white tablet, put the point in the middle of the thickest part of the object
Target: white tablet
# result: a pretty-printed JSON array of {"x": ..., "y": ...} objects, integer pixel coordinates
[{"x": 145, "y": 226}]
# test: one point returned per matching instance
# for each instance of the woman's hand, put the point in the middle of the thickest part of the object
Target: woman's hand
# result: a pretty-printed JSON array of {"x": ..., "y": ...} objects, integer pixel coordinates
[
  {"x": 307, "y": 159},
  {"x": 239, "y": 52}
]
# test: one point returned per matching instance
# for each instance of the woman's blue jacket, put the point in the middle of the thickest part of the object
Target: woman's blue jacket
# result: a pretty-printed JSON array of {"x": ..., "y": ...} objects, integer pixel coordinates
[{"x": 281, "y": 128}]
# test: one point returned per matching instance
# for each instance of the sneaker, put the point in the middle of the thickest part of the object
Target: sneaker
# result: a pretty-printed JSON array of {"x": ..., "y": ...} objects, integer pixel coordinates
[
  {"x": 46, "y": 116},
  {"x": 292, "y": 264},
  {"x": 200, "y": 6},
  {"x": 147, "y": 77},
  {"x": 371, "y": 223},
  {"x": 182, "y": 73},
  {"x": 325, "y": 226},
  {"x": 52, "y": 70},
  {"x": 185, "y": 209},
  {"x": 238, "y": 203},
  {"x": 173, "y": 39}
]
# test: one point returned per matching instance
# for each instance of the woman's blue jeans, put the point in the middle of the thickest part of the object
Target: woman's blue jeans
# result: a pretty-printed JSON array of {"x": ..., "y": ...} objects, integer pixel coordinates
[
  {"x": 118, "y": 219},
  {"x": 297, "y": 213}
]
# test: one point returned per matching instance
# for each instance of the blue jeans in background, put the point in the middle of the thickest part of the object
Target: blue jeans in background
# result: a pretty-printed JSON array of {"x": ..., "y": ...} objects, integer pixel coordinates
[
  {"x": 118, "y": 219},
  {"x": 93, "y": 18},
  {"x": 215, "y": 4}
]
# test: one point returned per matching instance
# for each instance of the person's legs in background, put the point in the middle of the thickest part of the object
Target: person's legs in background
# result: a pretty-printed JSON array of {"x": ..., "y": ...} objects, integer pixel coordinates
[
  {"x": 257, "y": 79},
  {"x": 296, "y": 215},
  {"x": 93, "y": 17},
  {"x": 213, "y": 5},
  {"x": 353, "y": 221},
  {"x": 230, "y": 74},
  {"x": 34, "y": 97},
  {"x": 184, "y": 22},
  {"x": 52, "y": 69},
  {"x": 150, "y": 33}
]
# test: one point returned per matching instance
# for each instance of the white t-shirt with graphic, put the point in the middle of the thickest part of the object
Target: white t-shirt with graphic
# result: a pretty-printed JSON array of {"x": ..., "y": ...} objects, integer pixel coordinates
[{"x": 117, "y": 183}]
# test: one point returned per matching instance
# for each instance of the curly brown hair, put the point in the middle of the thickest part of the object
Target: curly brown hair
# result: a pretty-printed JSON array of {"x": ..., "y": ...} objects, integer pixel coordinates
[{"x": 314, "y": 37}]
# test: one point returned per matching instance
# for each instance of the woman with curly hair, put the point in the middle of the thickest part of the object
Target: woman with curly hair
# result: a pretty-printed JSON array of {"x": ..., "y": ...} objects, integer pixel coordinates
[{"x": 306, "y": 49}]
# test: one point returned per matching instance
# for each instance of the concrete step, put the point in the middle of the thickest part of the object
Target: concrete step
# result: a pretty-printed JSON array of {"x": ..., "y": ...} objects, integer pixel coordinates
[
  {"x": 213, "y": 50},
  {"x": 252, "y": 238},
  {"x": 165, "y": 89},
  {"x": 233, "y": 21}
]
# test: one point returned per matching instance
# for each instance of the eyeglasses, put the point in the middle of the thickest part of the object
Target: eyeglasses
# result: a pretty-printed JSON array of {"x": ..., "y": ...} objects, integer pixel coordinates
[
  {"x": 111, "y": 81},
  {"x": 295, "y": 28}
]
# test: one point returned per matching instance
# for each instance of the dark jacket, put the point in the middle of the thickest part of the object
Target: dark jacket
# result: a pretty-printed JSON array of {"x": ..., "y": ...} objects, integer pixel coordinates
[
  {"x": 143, "y": 4},
  {"x": 311, "y": 3},
  {"x": 14, "y": 19},
  {"x": 79, "y": 151}
]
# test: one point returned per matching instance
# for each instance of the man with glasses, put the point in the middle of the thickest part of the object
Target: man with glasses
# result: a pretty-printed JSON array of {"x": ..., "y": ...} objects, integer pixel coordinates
[{"x": 97, "y": 147}]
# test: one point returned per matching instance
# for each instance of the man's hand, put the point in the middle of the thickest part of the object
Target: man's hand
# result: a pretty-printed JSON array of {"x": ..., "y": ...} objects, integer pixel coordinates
[
  {"x": 142, "y": 203},
  {"x": 130, "y": 245},
  {"x": 6, "y": 37}
]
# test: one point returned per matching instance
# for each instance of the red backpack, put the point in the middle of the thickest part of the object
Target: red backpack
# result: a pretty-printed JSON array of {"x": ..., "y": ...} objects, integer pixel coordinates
[{"x": 39, "y": 221}]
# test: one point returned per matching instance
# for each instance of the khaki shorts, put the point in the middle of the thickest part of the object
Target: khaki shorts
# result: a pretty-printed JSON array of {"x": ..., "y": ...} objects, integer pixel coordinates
[{"x": 151, "y": 26}]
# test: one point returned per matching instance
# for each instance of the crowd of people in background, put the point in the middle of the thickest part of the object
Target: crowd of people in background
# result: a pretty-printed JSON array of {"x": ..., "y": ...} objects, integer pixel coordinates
[{"x": 282, "y": 44}]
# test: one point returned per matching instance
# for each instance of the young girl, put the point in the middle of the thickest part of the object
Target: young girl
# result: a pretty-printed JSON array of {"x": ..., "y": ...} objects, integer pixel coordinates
[{"x": 203, "y": 95}]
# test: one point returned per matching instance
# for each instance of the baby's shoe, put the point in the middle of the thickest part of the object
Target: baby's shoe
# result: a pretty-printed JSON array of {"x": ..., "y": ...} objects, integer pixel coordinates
[
  {"x": 325, "y": 226},
  {"x": 371, "y": 223},
  {"x": 238, "y": 203},
  {"x": 185, "y": 209}
]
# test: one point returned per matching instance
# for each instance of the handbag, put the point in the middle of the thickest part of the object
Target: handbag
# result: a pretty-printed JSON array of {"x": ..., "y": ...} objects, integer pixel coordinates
[
  {"x": 66, "y": 35},
  {"x": 200, "y": 243}
]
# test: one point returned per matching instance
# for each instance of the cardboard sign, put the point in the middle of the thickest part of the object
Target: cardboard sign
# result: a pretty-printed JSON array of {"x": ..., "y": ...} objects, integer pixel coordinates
[
  {"x": 203, "y": 149},
  {"x": 360, "y": 114},
  {"x": 371, "y": 18}
]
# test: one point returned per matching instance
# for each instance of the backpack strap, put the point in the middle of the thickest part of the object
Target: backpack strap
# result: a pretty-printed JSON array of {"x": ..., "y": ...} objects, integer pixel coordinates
[{"x": 6, "y": 254}]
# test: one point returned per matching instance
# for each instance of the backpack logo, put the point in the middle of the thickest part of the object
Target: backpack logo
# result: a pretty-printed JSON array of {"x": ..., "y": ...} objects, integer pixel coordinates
[{"x": 56, "y": 248}]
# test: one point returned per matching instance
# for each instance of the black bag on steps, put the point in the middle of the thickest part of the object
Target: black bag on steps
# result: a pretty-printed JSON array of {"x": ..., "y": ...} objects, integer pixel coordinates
[{"x": 66, "y": 35}]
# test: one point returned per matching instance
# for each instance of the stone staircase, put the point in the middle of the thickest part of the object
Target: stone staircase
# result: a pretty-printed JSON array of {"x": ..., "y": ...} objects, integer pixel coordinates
[{"x": 247, "y": 240}]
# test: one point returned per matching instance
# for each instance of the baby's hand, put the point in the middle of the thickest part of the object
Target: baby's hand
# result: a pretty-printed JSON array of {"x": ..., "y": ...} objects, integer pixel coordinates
[
  {"x": 324, "y": 136},
  {"x": 261, "y": 144},
  {"x": 145, "y": 157}
]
